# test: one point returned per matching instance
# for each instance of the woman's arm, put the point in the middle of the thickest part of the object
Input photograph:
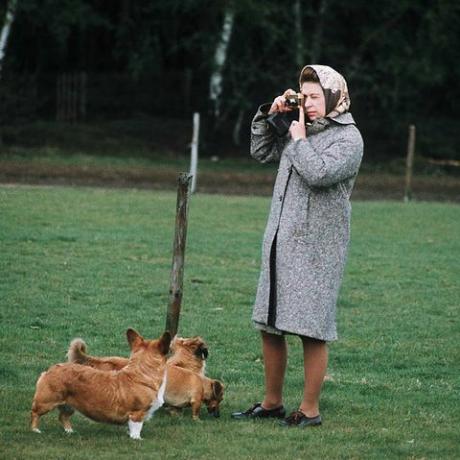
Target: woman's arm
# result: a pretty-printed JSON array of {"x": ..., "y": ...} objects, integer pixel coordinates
[{"x": 265, "y": 145}]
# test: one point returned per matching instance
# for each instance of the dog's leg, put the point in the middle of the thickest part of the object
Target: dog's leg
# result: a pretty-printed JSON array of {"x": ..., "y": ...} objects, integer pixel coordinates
[
  {"x": 65, "y": 412},
  {"x": 196, "y": 406},
  {"x": 135, "y": 423},
  {"x": 34, "y": 422},
  {"x": 135, "y": 427},
  {"x": 45, "y": 400},
  {"x": 39, "y": 409}
]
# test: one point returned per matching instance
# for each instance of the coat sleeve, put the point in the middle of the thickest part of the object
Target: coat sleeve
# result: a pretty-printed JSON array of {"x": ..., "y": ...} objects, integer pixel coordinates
[
  {"x": 336, "y": 162},
  {"x": 265, "y": 145}
]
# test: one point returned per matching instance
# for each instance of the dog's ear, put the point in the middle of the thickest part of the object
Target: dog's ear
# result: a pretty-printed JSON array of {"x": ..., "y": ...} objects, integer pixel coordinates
[
  {"x": 217, "y": 389},
  {"x": 202, "y": 352},
  {"x": 165, "y": 342},
  {"x": 134, "y": 338}
]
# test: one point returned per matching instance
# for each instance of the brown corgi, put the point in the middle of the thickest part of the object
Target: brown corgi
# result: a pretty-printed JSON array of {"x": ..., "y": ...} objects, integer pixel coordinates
[
  {"x": 130, "y": 395},
  {"x": 186, "y": 388}
]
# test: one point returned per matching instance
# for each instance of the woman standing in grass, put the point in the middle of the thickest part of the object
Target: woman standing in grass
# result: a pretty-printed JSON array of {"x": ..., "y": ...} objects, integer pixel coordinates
[{"x": 306, "y": 238}]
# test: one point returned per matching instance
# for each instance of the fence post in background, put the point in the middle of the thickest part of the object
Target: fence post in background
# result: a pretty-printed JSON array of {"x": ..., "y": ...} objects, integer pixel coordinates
[
  {"x": 194, "y": 149},
  {"x": 409, "y": 163},
  {"x": 177, "y": 271}
]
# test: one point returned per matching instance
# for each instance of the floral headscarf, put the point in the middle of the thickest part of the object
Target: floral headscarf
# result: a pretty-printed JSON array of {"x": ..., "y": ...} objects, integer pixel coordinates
[{"x": 334, "y": 87}]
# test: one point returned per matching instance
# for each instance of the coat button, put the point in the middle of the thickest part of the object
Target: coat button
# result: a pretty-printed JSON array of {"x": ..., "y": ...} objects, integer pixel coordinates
[{"x": 281, "y": 197}]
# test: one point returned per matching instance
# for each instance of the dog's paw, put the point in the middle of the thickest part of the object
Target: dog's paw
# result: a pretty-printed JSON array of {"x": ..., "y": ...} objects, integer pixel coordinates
[
  {"x": 36, "y": 430},
  {"x": 136, "y": 437},
  {"x": 68, "y": 430}
]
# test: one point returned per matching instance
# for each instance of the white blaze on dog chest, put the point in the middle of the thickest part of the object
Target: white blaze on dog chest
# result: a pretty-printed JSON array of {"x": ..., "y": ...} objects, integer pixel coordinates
[{"x": 160, "y": 399}]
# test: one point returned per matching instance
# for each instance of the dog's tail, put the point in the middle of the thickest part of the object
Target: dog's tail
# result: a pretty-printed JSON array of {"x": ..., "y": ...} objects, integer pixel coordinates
[{"x": 77, "y": 352}]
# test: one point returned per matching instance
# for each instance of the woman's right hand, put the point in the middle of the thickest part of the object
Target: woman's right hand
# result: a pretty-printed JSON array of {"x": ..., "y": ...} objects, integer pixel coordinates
[{"x": 279, "y": 103}]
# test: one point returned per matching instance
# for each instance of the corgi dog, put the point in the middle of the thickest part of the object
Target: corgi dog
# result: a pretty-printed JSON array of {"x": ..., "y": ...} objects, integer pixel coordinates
[
  {"x": 185, "y": 388},
  {"x": 188, "y": 353},
  {"x": 130, "y": 395},
  {"x": 186, "y": 384}
]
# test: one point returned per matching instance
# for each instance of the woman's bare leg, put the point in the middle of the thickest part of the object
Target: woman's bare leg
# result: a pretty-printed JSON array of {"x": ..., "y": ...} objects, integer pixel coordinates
[
  {"x": 315, "y": 354},
  {"x": 275, "y": 359}
]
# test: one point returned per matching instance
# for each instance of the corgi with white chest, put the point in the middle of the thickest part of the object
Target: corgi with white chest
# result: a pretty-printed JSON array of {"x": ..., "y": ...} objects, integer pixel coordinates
[{"x": 130, "y": 395}]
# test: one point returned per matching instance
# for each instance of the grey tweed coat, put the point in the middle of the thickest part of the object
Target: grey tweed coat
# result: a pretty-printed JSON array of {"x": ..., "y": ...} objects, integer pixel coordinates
[{"x": 306, "y": 238}]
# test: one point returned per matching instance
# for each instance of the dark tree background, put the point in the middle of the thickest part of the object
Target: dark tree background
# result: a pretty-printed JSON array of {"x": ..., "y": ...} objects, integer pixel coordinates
[{"x": 155, "y": 58}]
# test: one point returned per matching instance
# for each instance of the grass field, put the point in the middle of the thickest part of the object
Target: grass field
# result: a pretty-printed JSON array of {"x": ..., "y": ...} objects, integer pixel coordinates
[{"x": 93, "y": 262}]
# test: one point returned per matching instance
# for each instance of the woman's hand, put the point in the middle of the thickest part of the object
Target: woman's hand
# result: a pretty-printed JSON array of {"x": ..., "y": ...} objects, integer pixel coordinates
[
  {"x": 298, "y": 129},
  {"x": 279, "y": 103}
]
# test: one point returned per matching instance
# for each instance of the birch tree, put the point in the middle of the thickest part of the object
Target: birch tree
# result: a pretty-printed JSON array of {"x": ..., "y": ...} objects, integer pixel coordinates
[
  {"x": 220, "y": 56},
  {"x": 9, "y": 18}
]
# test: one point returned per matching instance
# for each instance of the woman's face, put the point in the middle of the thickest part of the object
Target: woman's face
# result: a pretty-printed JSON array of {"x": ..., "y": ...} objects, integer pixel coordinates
[{"x": 314, "y": 101}]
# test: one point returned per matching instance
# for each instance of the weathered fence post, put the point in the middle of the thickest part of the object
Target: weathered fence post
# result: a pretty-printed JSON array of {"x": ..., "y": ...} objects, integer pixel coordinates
[
  {"x": 177, "y": 271},
  {"x": 409, "y": 163}
]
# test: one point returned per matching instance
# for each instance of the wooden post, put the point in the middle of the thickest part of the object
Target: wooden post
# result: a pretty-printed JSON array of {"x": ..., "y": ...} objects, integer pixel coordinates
[
  {"x": 177, "y": 271},
  {"x": 409, "y": 163},
  {"x": 194, "y": 149}
]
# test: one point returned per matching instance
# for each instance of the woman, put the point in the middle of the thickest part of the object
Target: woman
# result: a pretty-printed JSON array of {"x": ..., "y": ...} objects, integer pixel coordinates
[{"x": 306, "y": 238}]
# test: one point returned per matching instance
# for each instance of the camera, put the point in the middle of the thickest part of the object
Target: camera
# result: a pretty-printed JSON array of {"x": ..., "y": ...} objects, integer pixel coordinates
[
  {"x": 294, "y": 100},
  {"x": 280, "y": 122}
]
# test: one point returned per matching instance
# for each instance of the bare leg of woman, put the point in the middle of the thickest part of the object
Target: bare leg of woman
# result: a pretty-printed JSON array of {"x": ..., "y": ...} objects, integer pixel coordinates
[
  {"x": 315, "y": 354},
  {"x": 275, "y": 359}
]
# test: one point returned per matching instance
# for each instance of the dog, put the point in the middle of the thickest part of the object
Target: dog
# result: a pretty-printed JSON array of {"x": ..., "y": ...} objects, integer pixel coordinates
[
  {"x": 186, "y": 383},
  {"x": 186, "y": 388},
  {"x": 188, "y": 353},
  {"x": 129, "y": 395}
]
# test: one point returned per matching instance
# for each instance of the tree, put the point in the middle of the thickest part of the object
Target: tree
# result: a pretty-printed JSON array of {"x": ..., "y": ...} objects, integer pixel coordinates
[
  {"x": 9, "y": 18},
  {"x": 220, "y": 56}
]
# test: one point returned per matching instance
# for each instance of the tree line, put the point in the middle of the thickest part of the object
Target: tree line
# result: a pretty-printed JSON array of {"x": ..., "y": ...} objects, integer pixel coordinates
[{"x": 224, "y": 58}]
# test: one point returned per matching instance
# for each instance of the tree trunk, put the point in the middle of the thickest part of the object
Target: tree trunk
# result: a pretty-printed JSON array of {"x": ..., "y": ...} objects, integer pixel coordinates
[
  {"x": 220, "y": 55},
  {"x": 9, "y": 18}
]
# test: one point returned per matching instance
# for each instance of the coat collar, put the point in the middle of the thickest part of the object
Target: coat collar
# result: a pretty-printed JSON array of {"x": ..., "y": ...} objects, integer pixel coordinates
[{"x": 344, "y": 119}]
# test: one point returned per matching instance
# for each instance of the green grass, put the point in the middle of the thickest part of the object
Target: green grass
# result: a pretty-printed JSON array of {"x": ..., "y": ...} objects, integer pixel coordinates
[{"x": 93, "y": 262}]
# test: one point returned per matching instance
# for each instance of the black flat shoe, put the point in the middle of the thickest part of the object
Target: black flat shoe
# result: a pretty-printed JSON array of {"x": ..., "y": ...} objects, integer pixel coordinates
[
  {"x": 298, "y": 418},
  {"x": 257, "y": 411}
]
